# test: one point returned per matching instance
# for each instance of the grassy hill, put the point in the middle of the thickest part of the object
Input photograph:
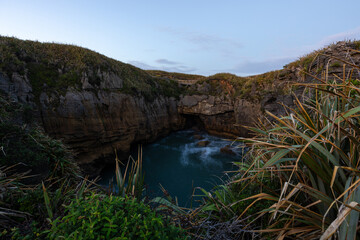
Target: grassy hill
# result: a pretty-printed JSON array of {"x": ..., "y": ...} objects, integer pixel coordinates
[{"x": 56, "y": 67}]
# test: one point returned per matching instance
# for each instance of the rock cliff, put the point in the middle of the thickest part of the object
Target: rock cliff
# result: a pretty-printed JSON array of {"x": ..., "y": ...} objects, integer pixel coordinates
[
  {"x": 96, "y": 104},
  {"x": 94, "y": 107}
]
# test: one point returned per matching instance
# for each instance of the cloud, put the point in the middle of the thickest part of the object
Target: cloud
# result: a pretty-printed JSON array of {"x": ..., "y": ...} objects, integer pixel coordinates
[
  {"x": 165, "y": 61},
  {"x": 183, "y": 69},
  {"x": 347, "y": 35},
  {"x": 141, "y": 65},
  {"x": 179, "y": 68},
  {"x": 257, "y": 67},
  {"x": 351, "y": 34},
  {"x": 205, "y": 41}
]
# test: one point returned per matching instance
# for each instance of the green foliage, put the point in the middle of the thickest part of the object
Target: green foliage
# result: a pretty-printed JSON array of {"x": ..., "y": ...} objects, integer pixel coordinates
[
  {"x": 230, "y": 208},
  {"x": 174, "y": 75},
  {"x": 110, "y": 217},
  {"x": 304, "y": 62},
  {"x": 250, "y": 88},
  {"x": 131, "y": 182},
  {"x": 47, "y": 78},
  {"x": 31, "y": 149},
  {"x": 34, "y": 232}
]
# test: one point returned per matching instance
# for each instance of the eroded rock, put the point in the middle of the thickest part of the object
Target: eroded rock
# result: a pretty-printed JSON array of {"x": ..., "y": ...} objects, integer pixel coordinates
[{"x": 203, "y": 143}]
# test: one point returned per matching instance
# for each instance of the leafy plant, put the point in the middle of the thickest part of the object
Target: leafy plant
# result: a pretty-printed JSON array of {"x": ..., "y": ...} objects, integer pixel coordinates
[
  {"x": 131, "y": 182},
  {"x": 111, "y": 217}
]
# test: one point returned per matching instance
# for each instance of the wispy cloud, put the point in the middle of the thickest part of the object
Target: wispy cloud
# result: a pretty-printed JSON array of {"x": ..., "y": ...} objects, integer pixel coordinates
[
  {"x": 347, "y": 35},
  {"x": 205, "y": 41},
  {"x": 166, "y": 61},
  {"x": 351, "y": 34},
  {"x": 182, "y": 69},
  {"x": 257, "y": 67},
  {"x": 141, "y": 65},
  {"x": 178, "y": 68}
]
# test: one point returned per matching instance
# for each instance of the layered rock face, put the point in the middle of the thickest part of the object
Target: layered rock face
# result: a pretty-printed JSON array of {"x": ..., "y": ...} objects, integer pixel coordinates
[
  {"x": 96, "y": 121},
  {"x": 95, "y": 124},
  {"x": 226, "y": 116}
]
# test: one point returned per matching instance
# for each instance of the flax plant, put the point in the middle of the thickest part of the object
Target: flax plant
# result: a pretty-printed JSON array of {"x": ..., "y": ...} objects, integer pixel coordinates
[
  {"x": 131, "y": 182},
  {"x": 313, "y": 152}
]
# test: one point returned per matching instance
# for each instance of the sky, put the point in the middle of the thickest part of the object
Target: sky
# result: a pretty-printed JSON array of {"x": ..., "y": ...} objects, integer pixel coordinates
[{"x": 204, "y": 37}]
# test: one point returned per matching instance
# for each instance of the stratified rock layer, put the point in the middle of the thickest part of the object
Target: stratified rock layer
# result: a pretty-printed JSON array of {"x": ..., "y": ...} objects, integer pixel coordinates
[
  {"x": 97, "y": 105},
  {"x": 95, "y": 124}
]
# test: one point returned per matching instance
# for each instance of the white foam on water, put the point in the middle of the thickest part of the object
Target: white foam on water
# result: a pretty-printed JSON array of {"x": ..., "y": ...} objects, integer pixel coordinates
[
  {"x": 205, "y": 155},
  {"x": 185, "y": 154}
]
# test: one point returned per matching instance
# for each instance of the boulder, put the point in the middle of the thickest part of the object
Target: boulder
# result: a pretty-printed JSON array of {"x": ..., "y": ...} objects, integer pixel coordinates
[
  {"x": 198, "y": 137},
  {"x": 227, "y": 149},
  {"x": 203, "y": 143}
]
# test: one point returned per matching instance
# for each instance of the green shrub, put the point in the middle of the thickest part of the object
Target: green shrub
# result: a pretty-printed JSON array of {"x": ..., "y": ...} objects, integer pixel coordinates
[
  {"x": 104, "y": 217},
  {"x": 32, "y": 150}
]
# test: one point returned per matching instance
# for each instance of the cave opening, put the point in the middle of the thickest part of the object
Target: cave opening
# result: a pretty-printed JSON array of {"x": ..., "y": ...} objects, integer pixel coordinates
[{"x": 193, "y": 121}]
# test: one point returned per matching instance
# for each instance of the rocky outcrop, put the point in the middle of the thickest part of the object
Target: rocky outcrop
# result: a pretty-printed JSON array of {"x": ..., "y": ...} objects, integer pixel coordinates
[
  {"x": 96, "y": 121},
  {"x": 17, "y": 87},
  {"x": 94, "y": 124},
  {"x": 225, "y": 116},
  {"x": 203, "y": 143}
]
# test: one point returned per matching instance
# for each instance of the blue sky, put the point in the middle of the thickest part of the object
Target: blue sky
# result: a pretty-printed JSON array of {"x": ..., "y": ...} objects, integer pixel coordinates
[{"x": 190, "y": 36}]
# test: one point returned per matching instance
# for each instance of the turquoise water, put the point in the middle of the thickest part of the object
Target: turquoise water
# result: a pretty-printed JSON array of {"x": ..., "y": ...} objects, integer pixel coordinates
[{"x": 179, "y": 164}]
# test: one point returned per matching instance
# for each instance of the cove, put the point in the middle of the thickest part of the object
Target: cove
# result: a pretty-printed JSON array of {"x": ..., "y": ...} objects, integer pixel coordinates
[{"x": 179, "y": 164}]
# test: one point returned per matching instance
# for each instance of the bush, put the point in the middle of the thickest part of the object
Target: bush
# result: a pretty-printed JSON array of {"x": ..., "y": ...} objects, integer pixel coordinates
[
  {"x": 104, "y": 217},
  {"x": 32, "y": 150}
]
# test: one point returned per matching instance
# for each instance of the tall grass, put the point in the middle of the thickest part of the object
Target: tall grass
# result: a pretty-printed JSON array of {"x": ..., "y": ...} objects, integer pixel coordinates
[
  {"x": 301, "y": 177},
  {"x": 10, "y": 182},
  {"x": 313, "y": 152}
]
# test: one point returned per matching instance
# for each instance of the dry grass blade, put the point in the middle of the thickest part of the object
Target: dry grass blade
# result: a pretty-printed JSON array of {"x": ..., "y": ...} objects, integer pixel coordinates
[{"x": 335, "y": 225}]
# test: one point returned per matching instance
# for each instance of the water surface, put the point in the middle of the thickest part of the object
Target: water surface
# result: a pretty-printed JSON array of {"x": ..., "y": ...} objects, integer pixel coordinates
[{"x": 179, "y": 164}]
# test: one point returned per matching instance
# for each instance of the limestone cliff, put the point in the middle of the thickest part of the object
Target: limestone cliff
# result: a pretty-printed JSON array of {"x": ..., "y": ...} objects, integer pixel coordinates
[
  {"x": 97, "y": 104},
  {"x": 93, "y": 103}
]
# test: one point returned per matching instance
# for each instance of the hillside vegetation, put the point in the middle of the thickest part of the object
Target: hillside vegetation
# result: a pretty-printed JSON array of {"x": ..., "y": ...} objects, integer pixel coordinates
[
  {"x": 280, "y": 82},
  {"x": 53, "y": 67}
]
